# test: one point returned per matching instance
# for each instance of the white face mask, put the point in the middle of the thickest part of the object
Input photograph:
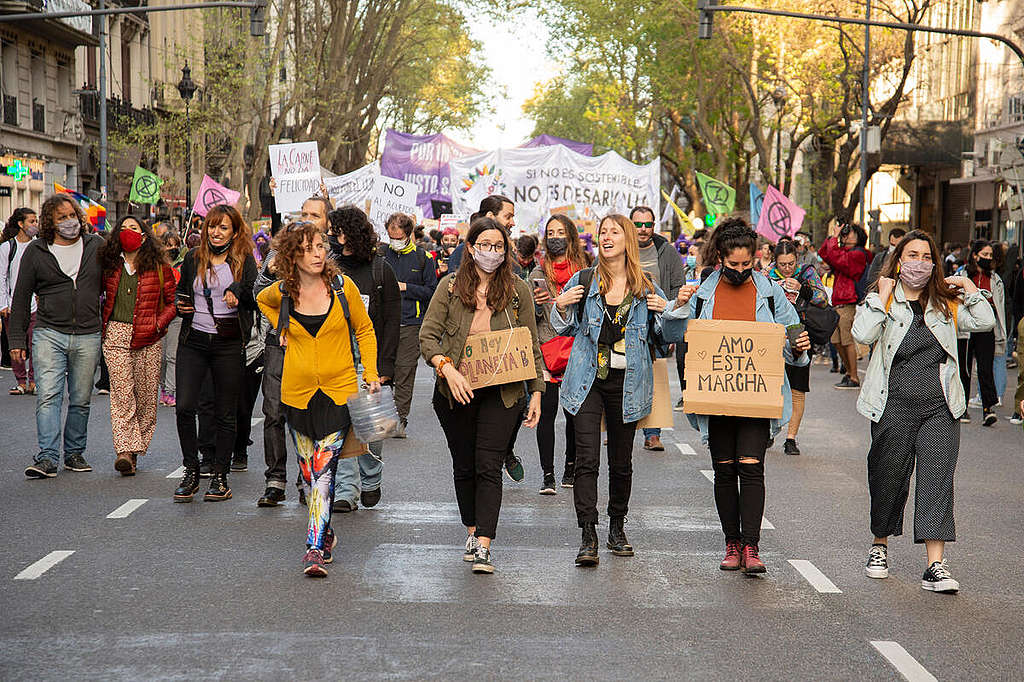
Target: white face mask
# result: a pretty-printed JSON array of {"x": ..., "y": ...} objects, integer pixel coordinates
[{"x": 399, "y": 244}]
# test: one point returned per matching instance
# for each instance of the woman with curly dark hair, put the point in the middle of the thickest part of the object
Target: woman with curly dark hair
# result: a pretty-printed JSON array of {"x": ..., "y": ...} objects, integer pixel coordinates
[
  {"x": 21, "y": 228},
  {"x": 319, "y": 368},
  {"x": 139, "y": 285}
]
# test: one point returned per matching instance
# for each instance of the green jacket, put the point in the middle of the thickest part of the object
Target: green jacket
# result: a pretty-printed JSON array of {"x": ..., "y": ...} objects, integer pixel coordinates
[{"x": 446, "y": 326}]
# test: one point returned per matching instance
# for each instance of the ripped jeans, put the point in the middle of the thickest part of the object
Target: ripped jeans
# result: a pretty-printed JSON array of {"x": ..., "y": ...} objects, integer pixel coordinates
[{"x": 737, "y": 447}]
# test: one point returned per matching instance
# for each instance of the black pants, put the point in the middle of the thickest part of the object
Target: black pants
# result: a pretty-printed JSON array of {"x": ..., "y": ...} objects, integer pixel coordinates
[
  {"x": 732, "y": 439},
  {"x": 198, "y": 354},
  {"x": 546, "y": 430},
  {"x": 478, "y": 435},
  {"x": 681, "y": 364},
  {"x": 274, "y": 449},
  {"x": 251, "y": 376},
  {"x": 605, "y": 398},
  {"x": 981, "y": 346}
]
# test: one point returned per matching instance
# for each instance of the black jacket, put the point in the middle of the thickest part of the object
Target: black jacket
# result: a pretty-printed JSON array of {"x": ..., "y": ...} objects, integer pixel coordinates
[
  {"x": 376, "y": 280},
  {"x": 241, "y": 289},
  {"x": 416, "y": 268},
  {"x": 66, "y": 306}
]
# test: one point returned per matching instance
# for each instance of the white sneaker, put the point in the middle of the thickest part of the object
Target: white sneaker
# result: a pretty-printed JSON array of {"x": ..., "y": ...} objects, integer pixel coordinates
[
  {"x": 471, "y": 545},
  {"x": 974, "y": 402},
  {"x": 878, "y": 562}
]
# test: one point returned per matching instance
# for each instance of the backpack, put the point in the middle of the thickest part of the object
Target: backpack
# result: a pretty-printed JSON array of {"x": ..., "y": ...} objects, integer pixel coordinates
[
  {"x": 657, "y": 348},
  {"x": 338, "y": 287},
  {"x": 10, "y": 260},
  {"x": 862, "y": 285}
]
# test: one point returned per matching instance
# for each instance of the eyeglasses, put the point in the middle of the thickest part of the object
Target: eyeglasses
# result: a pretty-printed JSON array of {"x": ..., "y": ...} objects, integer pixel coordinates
[
  {"x": 647, "y": 224},
  {"x": 486, "y": 246}
]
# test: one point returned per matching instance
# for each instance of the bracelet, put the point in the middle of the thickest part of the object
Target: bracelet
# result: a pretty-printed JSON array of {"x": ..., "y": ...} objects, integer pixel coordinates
[{"x": 440, "y": 366}]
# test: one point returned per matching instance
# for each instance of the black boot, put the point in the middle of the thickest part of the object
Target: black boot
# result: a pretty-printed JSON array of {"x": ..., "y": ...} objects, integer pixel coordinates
[
  {"x": 219, "y": 489},
  {"x": 189, "y": 486},
  {"x": 588, "y": 547},
  {"x": 617, "y": 541}
]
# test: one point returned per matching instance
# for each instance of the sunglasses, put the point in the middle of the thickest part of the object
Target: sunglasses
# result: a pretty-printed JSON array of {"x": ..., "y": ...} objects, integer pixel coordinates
[{"x": 649, "y": 225}]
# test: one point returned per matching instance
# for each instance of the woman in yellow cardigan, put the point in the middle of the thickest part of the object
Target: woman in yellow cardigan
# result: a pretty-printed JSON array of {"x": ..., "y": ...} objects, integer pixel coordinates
[{"x": 319, "y": 368}]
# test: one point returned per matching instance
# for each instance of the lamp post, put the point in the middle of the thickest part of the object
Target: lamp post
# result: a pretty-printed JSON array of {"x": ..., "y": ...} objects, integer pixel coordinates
[
  {"x": 186, "y": 88},
  {"x": 779, "y": 97}
]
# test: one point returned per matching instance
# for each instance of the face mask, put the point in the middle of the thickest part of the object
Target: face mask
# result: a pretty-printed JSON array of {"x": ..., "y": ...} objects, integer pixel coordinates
[
  {"x": 556, "y": 246},
  {"x": 336, "y": 246},
  {"x": 736, "y": 277},
  {"x": 399, "y": 244},
  {"x": 488, "y": 261},
  {"x": 985, "y": 264},
  {"x": 69, "y": 228},
  {"x": 916, "y": 273},
  {"x": 219, "y": 250},
  {"x": 130, "y": 241},
  {"x": 691, "y": 261},
  {"x": 31, "y": 230}
]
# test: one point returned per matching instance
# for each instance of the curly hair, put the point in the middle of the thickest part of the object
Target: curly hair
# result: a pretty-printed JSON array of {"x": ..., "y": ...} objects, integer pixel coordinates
[
  {"x": 151, "y": 254},
  {"x": 12, "y": 227},
  {"x": 352, "y": 224},
  {"x": 290, "y": 245},
  {"x": 47, "y": 225}
]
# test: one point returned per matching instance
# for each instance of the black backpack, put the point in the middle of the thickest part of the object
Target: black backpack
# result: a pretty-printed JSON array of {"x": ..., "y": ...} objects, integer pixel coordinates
[{"x": 862, "y": 285}]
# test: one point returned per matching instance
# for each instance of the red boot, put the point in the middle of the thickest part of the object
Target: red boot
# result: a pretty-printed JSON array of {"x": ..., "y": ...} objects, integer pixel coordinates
[
  {"x": 731, "y": 562},
  {"x": 751, "y": 561}
]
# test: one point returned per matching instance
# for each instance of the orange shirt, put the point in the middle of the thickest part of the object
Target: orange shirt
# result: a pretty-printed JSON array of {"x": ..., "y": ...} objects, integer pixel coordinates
[{"x": 735, "y": 302}]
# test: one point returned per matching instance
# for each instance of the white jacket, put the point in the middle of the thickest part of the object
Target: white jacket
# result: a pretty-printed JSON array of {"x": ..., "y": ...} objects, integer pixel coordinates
[{"x": 874, "y": 325}]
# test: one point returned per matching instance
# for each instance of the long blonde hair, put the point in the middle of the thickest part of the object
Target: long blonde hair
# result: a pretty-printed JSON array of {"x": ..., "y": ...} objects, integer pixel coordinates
[{"x": 637, "y": 280}]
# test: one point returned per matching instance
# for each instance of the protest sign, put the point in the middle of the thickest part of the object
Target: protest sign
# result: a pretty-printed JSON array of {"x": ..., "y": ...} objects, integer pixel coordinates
[
  {"x": 779, "y": 217},
  {"x": 501, "y": 357},
  {"x": 354, "y": 188},
  {"x": 718, "y": 197},
  {"x": 212, "y": 193},
  {"x": 756, "y": 200},
  {"x": 734, "y": 368},
  {"x": 660, "y": 416},
  {"x": 145, "y": 187},
  {"x": 422, "y": 160},
  {"x": 296, "y": 169},
  {"x": 391, "y": 196},
  {"x": 448, "y": 220}
]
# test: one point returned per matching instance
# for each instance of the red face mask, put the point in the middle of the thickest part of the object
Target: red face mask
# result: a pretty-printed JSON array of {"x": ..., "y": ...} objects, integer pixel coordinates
[{"x": 130, "y": 241}]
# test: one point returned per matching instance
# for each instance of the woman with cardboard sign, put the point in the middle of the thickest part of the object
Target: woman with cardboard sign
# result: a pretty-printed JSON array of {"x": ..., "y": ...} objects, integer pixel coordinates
[
  {"x": 480, "y": 334},
  {"x": 738, "y": 291},
  {"x": 617, "y": 316},
  {"x": 913, "y": 396}
]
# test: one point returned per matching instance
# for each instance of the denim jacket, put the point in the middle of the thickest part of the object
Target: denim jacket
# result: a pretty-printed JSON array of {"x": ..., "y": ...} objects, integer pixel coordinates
[
  {"x": 785, "y": 314},
  {"x": 638, "y": 386},
  {"x": 886, "y": 329}
]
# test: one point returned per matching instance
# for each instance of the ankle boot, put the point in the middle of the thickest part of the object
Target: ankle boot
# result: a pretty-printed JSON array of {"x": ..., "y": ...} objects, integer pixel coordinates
[
  {"x": 219, "y": 489},
  {"x": 587, "y": 555},
  {"x": 189, "y": 486},
  {"x": 617, "y": 541}
]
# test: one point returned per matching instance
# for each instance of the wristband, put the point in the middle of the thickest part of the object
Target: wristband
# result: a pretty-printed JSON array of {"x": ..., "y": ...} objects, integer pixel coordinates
[{"x": 445, "y": 360}]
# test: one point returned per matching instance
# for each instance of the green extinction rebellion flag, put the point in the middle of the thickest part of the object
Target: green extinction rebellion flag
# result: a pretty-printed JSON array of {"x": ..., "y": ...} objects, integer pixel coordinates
[
  {"x": 718, "y": 197},
  {"x": 145, "y": 187}
]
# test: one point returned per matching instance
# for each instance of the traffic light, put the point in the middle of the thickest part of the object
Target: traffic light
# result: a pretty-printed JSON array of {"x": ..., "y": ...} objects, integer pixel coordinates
[
  {"x": 258, "y": 19},
  {"x": 704, "y": 18}
]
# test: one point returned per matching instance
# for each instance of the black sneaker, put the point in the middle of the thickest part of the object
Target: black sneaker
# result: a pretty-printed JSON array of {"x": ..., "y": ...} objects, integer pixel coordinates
[
  {"x": 878, "y": 562},
  {"x": 514, "y": 468},
  {"x": 344, "y": 506},
  {"x": 189, "y": 486},
  {"x": 965, "y": 418},
  {"x": 205, "y": 467},
  {"x": 44, "y": 468},
  {"x": 75, "y": 462},
  {"x": 482, "y": 560},
  {"x": 569, "y": 475},
  {"x": 472, "y": 544},
  {"x": 1015, "y": 418},
  {"x": 240, "y": 463},
  {"x": 847, "y": 383},
  {"x": 219, "y": 489},
  {"x": 370, "y": 498},
  {"x": 549, "y": 484},
  {"x": 271, "y": 497},
  {"x": 938, "y": 579},
  {"x": 990, "y": 418},
  {"x": 790, "y": 448}
]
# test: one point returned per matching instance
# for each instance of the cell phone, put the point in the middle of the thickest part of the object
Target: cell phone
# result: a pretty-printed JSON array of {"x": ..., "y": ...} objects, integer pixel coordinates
[
  {"x": 183, "y": 300},
  {"x": 794, "y": 331}
]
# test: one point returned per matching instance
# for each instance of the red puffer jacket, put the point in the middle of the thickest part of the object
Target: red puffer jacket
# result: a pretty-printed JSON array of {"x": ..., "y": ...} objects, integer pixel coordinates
[
  {"x": 848, "y": 266},
  {"x": 151, "y": 317}
]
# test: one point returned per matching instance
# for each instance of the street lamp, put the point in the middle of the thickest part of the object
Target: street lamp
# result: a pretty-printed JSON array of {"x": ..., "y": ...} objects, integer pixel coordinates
[
  {"x": 779, "y": 97},
  {"x": 187, "y": 88}
]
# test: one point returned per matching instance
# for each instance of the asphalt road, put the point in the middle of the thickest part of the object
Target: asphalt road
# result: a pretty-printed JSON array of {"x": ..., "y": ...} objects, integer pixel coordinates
[{"x": 215, "y": 590}]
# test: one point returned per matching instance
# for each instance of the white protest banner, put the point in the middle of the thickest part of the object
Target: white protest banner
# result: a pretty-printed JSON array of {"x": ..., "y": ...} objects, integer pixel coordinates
[
  {"x": 448, "y": 220},
  {"x": 538, "y": 179},
  {"x": 354, "y": 188},
  {"x": 296, "y": 169},
  {"x": 391, "y": 196},
  {"x": 779, "y": 216}
]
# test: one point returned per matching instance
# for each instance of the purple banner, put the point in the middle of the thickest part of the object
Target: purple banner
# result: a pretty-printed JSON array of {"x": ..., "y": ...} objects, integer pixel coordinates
[
  {"x": 550, "y": 140},
  {"x": 422, "y": 160}
]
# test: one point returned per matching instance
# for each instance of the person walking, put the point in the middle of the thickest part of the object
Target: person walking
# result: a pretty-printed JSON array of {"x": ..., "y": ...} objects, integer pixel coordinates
[
  {"x": 61, "y": 271},
  {"x": 138, "y": 308},
  {"x": 845, "y": 253},
  {"x": 481, "y": 297},
  {"x": 563, "y": 258},
  {"x": 614, "y": 311},
  {"x": 983, "y": 345},
  {"x": 21, "y": 228},
  {"x": 317, "y": 312},
  {"x": 738, "y": 291},
  {"x": 417, "y": 280},
  {"x": 912, "y": 397},
  {"x": 801, "y": 283},
  {"x": 215, "y": 300},
  {"x": 172, "y": 245},
  {"x": 353, "y": 246}
]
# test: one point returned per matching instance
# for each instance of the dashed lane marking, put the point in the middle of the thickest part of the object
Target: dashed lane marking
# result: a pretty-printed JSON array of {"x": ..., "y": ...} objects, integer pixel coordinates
[
  {"x": 815, "y": 577},
  {"x": 256, "y": 421},
  {"x": 905, "y": 664},
  {"x": 765, "y": 523},
  {"x": 45, "y": 564},
  {"x": 708, "y": 474},
  {"x": 686, "y": 449},
  {"x": 177, "y": 473},
  {"x": 127, "y": 508}
]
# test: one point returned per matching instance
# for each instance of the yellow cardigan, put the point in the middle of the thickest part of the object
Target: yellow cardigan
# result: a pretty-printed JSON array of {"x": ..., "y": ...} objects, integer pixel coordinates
[{"x": 323, "y": 362}]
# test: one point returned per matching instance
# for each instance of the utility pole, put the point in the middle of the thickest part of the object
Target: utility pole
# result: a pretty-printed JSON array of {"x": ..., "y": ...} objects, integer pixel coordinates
[
  {"x": 865, "y": 104},
  {"x": 103, "y": 103}
]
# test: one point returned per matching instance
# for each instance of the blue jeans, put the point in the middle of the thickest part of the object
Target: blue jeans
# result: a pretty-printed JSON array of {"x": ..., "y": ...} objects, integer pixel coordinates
[
  {"x": 59, "y": 360},
  {"x": 652, "y": 432},
  {"x": 360, "y": 473},
  {"x": 999, "y": 373}
]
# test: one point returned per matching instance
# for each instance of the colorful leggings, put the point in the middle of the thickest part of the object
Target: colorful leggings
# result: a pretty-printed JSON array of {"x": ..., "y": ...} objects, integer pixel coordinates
[{"x": 318, "y": 460}]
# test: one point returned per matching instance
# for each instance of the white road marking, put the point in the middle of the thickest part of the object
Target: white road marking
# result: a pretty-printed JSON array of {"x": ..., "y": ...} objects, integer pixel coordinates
[
  {"x": 686, "y": 449},
  {"x": 127, "y": 508},
  {"x": 44, "y": 564},
  {"x": 765, "y": 523},
  {"x": 177, "y": 473},
  {"x": 708, "y": 474},
  {"x": 815, "y": 577},
  {"x": 905, "y": 664},
  {"x": 256, "y": 421}
]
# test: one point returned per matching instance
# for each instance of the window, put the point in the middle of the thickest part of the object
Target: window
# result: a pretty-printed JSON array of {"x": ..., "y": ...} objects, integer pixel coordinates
[
  {"x": 38, "y": 65},
  {"x": 64, "y": 85},
  {"x": 1015, "y": 108},
  {"x": 9, "y": 82}
]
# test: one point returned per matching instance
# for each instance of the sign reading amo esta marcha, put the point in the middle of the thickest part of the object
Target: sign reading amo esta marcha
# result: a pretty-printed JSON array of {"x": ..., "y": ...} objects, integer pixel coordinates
[
  {"x": 499, "y": 357},
  {"x": 734, "y": 368}
]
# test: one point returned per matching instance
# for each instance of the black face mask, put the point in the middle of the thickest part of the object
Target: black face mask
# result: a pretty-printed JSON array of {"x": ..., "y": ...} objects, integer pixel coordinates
[
  {"x": 336, "y": 246},
  {"x": 736, "y": 277},
  {"x": 985, "y": 264},
  {"x": 219, "y": 250},
  {"x": 556, "y": 246}
]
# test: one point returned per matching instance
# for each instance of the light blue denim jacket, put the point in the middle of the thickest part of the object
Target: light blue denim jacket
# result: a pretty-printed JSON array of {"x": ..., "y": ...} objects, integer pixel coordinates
[
  {"x": 785, "y": 314},
  {"x": 638, "y": 386}
]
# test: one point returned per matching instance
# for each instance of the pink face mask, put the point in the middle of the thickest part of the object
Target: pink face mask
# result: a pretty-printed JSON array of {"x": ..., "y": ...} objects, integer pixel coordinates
[{"x": 916, "y": 273}]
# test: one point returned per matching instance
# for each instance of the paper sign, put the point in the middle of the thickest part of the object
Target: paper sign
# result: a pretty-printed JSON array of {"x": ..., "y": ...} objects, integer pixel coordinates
[
  {"x": 448, "y": 220},
  {"x": 500, "y": 357},
  {"x": 734, "y": 368},
  {"x": 391, "y": 196},
  {"x": 779, "y": 217},
  {"x": 661, "y": 400},
  {"x": 353, "y": 188},
  {"x": 756, "y": 200},
  {"x": 718, "y": 196},
  {"x": 296, "y": 168},
  {"x": 145, "y": 187},
  {"x": 212, "y": 193}
]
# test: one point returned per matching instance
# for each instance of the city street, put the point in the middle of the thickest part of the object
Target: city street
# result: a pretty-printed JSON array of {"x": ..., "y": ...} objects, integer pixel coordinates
[{"x": 157, "y": 590}]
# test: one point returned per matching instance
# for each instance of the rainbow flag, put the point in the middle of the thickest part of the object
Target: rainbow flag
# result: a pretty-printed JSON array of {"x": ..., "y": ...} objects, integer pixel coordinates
[{"x": 94, "y": 211}]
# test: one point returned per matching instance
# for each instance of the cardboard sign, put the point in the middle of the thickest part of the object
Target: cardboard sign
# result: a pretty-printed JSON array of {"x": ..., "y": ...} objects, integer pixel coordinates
[
  {"x": 500, "y": 357},
  {"x": 661, "y": 400},
  {"x": 734, "y": 368},
  {"x": 296, "y": 168},
  {"x": 391, "y": 196}
]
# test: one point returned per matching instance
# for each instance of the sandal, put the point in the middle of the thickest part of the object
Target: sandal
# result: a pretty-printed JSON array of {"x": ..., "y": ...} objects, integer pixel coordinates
[{"x": 20, "y": 389}]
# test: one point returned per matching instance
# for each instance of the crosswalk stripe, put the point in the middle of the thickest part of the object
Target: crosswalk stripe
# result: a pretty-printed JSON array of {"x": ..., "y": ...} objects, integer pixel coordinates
[
  {"x": 127, "y": 508},
  {"x": 43, "y": 565},
  {"x": 815, "y": 577},
  {"x": 905, "y": 664},
  {"x": 686, "y": 449},
  {"x": 177, "y": 473}
]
